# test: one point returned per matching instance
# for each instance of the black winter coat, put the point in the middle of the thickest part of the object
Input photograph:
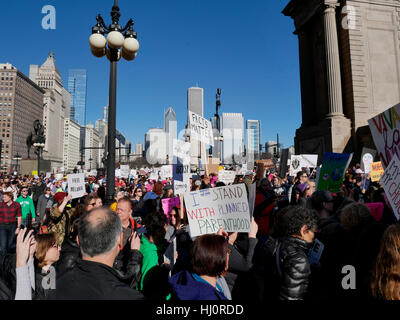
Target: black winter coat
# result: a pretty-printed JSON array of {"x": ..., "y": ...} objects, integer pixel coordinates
[
  {"x": 70, "y": 253},
  {"x": 90, "y": 280}
]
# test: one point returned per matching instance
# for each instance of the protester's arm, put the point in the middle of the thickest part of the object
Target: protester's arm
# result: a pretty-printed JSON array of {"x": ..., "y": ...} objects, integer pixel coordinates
[{"x": 23, "y": 286}]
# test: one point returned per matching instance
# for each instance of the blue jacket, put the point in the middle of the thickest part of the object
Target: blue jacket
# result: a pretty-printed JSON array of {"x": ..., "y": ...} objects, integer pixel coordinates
[{"x": 185, "y": 287}]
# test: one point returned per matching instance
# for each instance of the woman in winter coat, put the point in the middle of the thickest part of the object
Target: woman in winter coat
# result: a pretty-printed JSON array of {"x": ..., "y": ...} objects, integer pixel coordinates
[{"x": 44, "y": 205}]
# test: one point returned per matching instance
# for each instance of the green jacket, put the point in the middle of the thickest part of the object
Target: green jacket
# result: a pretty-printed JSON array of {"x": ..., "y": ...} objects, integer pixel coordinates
[
  {"x": 26, "y": 206},
  {"x": 150, "y": 257}
]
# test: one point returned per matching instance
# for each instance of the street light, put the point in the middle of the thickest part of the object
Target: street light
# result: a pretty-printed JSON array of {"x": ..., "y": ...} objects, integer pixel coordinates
[
  {"x": 111, "y": 47},
  {"x": 17, "y": 158}
]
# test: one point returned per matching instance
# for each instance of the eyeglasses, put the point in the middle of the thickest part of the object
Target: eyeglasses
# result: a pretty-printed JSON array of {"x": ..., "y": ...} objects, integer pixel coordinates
[{"x": 92, "y": 204}]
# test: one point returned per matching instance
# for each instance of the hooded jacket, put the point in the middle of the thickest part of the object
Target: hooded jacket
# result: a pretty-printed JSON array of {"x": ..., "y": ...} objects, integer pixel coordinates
[{"x": 185, "y": 287}]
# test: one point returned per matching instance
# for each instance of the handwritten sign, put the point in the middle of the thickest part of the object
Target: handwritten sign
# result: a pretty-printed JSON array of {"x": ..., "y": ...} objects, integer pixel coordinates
[
  {"x": 226, "y": 176},
  {"x": 76, "y": 185},
  {"x": 210, "y": 209},
  {"x": 200, "y": 129},
  {"x": 391, "y": 184},
  {"x": 377, "y": 171},
  {"x": 166, "y": 172},
  {"x": 169, "y": 203},
  {"x": 332, "y": 171},
  {"x": 124, "y": 171},
  {"x": 385, "y": 129}
]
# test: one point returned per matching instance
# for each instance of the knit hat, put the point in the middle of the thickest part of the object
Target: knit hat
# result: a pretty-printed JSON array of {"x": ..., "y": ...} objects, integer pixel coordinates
[
  {"x": 59, "y": 196},
  {"x": 302, "y": 187}
]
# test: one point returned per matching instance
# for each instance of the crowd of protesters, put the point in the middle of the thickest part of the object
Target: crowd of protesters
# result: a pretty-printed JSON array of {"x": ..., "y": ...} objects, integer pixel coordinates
[{"x": 56, "y": 247}]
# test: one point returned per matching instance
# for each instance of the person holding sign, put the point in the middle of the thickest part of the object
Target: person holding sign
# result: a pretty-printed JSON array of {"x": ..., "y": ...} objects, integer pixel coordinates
[
  {"x": 60, "y": 217},
  {"x": 209, "y": 260}
]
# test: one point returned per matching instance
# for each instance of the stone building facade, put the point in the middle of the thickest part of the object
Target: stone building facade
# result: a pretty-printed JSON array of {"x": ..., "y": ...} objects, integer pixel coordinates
[{"x": 349, "y": 70}]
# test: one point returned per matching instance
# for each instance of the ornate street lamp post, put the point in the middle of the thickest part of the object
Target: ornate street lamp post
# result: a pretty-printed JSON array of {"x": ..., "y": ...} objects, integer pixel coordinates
[{"x": 117, "y": 37}]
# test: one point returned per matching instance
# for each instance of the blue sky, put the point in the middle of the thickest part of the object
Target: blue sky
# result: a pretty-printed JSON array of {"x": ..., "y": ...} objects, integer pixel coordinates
[{"x": 246, "y": 48}]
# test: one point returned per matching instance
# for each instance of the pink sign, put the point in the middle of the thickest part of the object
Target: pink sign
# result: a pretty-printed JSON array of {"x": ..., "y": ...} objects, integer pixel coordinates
[{"x": 169, "y": 203}]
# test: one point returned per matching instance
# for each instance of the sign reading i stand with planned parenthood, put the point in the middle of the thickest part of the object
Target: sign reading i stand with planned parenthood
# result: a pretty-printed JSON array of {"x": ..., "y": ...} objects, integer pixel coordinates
[
  {"x": 200, "y": 129},
  {"x": 210, "y": 209}
]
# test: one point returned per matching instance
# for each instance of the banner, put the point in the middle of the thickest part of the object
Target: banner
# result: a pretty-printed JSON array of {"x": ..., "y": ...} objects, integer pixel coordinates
[
  {"x": 385, "y": 129},
  {"x": 210, "y": 209},
  {"x": 169, "y": 203},
  {"x": 332, "y": 171},
  {"x": 166, "y": 172},
  {"x": 200, "y": 129},
  {"x": 124, "y": 171},
  {"x": 76, "y": 185},
  {"x": 226, "y": 176},
  {"x": 181, "y": 150},
  {"x": 377, "y": 171},
  {"x": 295, "y": 165},
  {"x": 390, "y": 182}
]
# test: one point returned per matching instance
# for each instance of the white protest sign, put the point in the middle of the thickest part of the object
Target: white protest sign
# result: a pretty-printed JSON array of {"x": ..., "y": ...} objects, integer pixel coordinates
[
  {"x": 93, "y": 173},
  {"x": 367, "y": 160},
  {"x": 200, "y": 129},
  {"x": 48, "y": 175},
  {"x": 59, "y": 176},
  {"x": 226, "y": 176},
  {"x": 181, "y": 150},
  {"x": 181, "y": 187},
  {"x": 210, "y": 209},
  {"x": 295, "y": 165},
  {"x": 118, "y": 173},
  {"x": 76, "y": 185},
  {"x": 391, "y": 184},
  {"x": 308, "y": 160},
  {"x": 153, "y": 176},
  {"x": 181, "y": 178},
  {"x": 166, "y": 171},
  {"x": 124, "y": 171},
  {"x": 133, "y": 173}
]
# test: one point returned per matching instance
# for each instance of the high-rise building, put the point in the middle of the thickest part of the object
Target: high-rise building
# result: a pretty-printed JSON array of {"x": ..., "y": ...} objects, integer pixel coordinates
[
  {"x": 21, "y": 103},
  {"x": 170, "y": 127},
  {"x": 72, "y": 136},
  {"x": 105, "y": 113},
  {"x": 139, "y": 149},
  {"x": 253, "y": 139},
  {"x": 195, "y": 103},
  {"x": 77, "y": 82},
  {"x": 90, "y": 139},
  {"x": 232, "y": 129},
  {"x": 56, "y": 107},
  {"x": 155, "y": 147}
]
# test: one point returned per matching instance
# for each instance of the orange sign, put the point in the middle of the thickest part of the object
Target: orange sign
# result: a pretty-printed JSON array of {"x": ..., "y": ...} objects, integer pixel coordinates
[{"x": 377, "y": 171}]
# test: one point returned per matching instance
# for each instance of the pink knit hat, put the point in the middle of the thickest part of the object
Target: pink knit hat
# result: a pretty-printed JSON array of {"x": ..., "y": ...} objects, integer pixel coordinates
[{"x": 376, "y": 210}]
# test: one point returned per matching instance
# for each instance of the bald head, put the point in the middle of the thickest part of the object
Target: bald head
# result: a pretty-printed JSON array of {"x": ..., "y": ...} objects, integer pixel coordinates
[{"x": 99, "y": 232}]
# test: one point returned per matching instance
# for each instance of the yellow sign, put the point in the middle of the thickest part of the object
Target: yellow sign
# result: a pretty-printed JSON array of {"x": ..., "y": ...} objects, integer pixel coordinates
[
  {"x": 35, "y": 173},
  {"x": 377, "y": 171}
]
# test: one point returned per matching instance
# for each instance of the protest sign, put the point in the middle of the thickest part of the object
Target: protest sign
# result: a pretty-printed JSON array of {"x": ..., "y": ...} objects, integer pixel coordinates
[
  {"x": 390, "y": 182},
  {"x": 118, "y": 173},
  {"x": 283, "y": 164},
  {"x": 169, "y": 203},
  {"x": 308, "y": 160},
  {"x": 76, "y": 185},
  {"x": 295, "y": 165},
  {"x": 181, "y": 187},
  {"x": 260, "y": 172},
  {"x": 200, "y": 129},
  {"x": 212, "y": 166},
  {"x": 153, "y": 176},
  {"x": 377, "y": 171},
  {"x": 332, "y": 171},
  {"x": 34, "y": 173},
  {"x": 385, "y": 129},
  {"x": 93, "y": 173},
  {"x": 133, "y": 173},
  {"x": 48, "y": 175},
  {"x": 166, "y": 172},
  {"x": 181, "y": 150},
  {"x": 367, "y": 159},
  {"x": 124, "y": 171},
  {"x": 59, "y": 176},
  {"x": 372, "y": 153},
  {"x": 210, "y": 209},
  {"x": 226, "y": 176},
  {"x": 181, "y": 178}
]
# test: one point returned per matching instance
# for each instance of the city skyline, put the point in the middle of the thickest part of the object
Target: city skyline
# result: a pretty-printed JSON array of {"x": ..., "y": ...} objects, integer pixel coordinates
[{"x": 250, "y": 88}]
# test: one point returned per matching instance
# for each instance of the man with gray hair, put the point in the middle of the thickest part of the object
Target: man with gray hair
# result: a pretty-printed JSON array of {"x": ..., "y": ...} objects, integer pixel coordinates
[{"x": 93, "y": 278}]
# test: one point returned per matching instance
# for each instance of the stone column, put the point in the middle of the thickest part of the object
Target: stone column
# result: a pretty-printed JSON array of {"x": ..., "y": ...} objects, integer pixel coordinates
[{"x": 332, "y": 62}]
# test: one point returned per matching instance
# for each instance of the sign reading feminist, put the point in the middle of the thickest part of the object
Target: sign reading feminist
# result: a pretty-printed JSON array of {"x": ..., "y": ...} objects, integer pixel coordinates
[{"x": 210, "y": 209}]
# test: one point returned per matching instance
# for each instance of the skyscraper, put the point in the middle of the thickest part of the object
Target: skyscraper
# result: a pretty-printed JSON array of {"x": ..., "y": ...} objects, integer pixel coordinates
[
  {"x": 170, "y": 128},
  {"x": 232, "y": 128},
  {"x": 195, "y": 103},
  {"x": 77, "y": 81},
  {"x": 253, "y": 139}
]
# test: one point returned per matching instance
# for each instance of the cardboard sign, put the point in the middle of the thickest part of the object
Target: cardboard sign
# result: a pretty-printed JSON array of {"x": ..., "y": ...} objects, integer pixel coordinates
[
  {"x": 385, "y": 129},
  {"x": 391, "y": 184},
  {"x": 377, "y": 171},
  {"x": 210, "y": 209},
  {"x": 268, "y": 163},
  {"x": 181, "y": 150},
  {"x": 367, "y": 159},
  {"x": 308, "y": 160},
  {"x": 76, "y": 185},
  {"x": 200, "y": 129},
  {"x": 169, "y": 203},
  {"x": 226, "y": 176},
  {"x": 212, "y": 166},
  {"x": 260, "y": 173},
  {"x": 124, "y": 171},
  {"x": 166, "y": 172},
  {"x": 295, "y": 165},
  {"x": 332, "y": 171}
]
